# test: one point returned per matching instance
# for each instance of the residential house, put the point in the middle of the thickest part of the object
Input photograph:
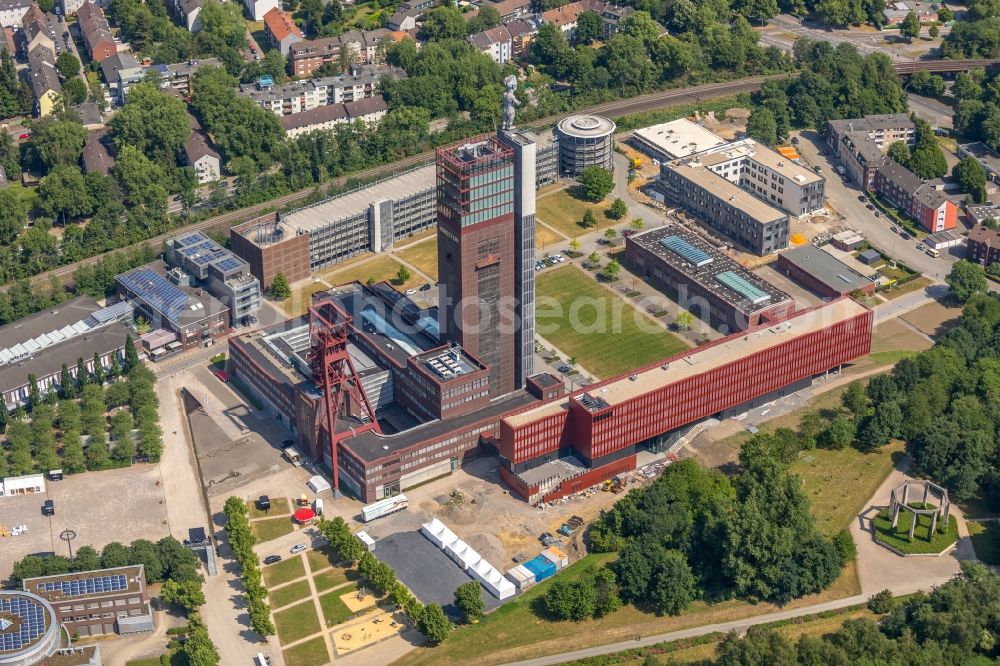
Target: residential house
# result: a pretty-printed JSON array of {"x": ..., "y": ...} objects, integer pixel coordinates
[
  {"x": 408, "y": 14},
  {"x": 511, "y": 9},
  {"x": 200, "y": 155},
  {"x": 37, "y": 30},
  {"x": 883, "y": 129},
  {"x": 327, "y": 117},
  {"x": 70, "y": 7},
  {"x": 281, "y": 31},
  {"x": 96, "y": 156},
  {"x": 299, "y": 96},
  {"x": 44, "y": 79},
  {"x": 177, "y": 76},
  {"x": 8, "y": 42},
  {"x": 12, "y": 12},
  {"x": 187, "y": 12},
  {"x": 522, "y": 35},
  {"x": 258, "y": 8},
  {"x": 925, "y": 204},
  {"x": 119, "y": 72},
  {"x": 983, "y": 246},
  {"x": 96, "y": 32},
  {"x": 495, "y": 42},
  {"x": 565, "y": 17},
  {"x": 309, "y": 55}
]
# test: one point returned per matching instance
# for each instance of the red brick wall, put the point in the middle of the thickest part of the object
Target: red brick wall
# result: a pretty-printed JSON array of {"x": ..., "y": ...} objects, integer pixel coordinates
[{"x": 593, "y": 477}]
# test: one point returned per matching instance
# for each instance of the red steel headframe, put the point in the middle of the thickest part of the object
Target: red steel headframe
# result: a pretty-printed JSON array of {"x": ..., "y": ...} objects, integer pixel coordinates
[{"x": 335, "y": 376}]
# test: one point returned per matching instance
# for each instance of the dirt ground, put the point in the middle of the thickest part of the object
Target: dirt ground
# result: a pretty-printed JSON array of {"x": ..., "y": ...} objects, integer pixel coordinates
[{"x": 931, "y": 318}]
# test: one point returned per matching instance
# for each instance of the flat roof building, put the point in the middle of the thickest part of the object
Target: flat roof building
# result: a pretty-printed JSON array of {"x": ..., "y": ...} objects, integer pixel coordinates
[
  {"x": 704, "y": 280},
  {"x": 986, "y": 156},
  {"x": 92, "y": 603},
  {"x": 225, "y": 275},
  {"x": 29, "y": 629},
  {"x": 585, "y": 141},
  {"x": 675, "y": 139},
  {"x": 821, "y": 272},
  {"x": 42, "y": 343}
]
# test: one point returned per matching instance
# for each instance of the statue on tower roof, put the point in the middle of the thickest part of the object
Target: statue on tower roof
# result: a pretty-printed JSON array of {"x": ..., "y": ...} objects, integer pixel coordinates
[{"x": 510, "y": 101}]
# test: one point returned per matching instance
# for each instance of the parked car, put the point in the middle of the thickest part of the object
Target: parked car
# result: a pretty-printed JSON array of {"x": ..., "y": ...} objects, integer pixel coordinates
[
  {"x": 564, "y": 368},
  {"x": 817, "y": 169},
  {"x": 272, "y": 559},
  {"x": 878, "y": 214},
  {"x": 905, "y": 236},
  {"x": 921, "y": 247},
  {"x": 544, "y": 536},
  {"x": 870, "y": 206},
  {"x": 425, "y": 287},
  {"x": 862, "y": 198},
  {"x": 794, "y": 140},
  {"x": 48, "y": 508},
  {"x": 298, "y": 548},
  {"x": 410, "y": 292}
]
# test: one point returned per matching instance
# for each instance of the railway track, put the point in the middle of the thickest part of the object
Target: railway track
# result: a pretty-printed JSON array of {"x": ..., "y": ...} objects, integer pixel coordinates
[{"x": 616, "y": 108}]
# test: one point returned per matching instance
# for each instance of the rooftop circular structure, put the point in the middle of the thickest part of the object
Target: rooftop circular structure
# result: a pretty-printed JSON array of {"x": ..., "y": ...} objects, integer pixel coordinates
[
  {"x": 586, "y": 126},
  {"x": 29, "y": 631},
  {"x": 585, "y": 140}
]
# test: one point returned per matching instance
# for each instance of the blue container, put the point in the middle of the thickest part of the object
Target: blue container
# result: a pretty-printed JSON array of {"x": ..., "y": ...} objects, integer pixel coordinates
[{"x": 542, "y": 568}]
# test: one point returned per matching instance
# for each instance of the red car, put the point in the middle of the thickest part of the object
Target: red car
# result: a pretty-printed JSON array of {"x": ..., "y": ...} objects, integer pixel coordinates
[
  {"x": 221, "y": 374},
  {"x": 24, "y": 137}
]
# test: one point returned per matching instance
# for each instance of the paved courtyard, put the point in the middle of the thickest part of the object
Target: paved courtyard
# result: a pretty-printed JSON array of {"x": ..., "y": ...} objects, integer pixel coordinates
[{"x": 101, "y": 507}]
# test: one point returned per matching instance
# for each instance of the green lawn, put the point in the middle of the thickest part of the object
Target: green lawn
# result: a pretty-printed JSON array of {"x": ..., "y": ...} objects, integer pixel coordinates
[
  {"x": 564, "y": 212},
  {"x": 310, "y": 653},
  {"x": 296, "y": 622},
  {"x": 423, "y": 256},
  {"x": 603, "y": 332},
  {"x": 283, "y": 572},
  {"x": 985, "y": 540},
  {"x": 334, "y": 609},
  {"x": 898, "y": 538},
  {"x": 271, "y": 528},
  {"x": 319, "y": 558},
  {"x": 840, "y": 484},
  {"x": 289, "y": 594},
  {"x": 333, "y": 578},
  {"x": 279, "y": 507}
]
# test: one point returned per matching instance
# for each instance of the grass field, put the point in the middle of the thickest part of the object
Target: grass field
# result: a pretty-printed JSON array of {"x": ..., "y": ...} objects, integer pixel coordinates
[
  {"x": 289, "y": 594},
  {"x": 271, "y": 528},
  {"x": 564, "y": 212},
  {"x": 296, "y": 622},
  {"x": 911, "y": 286},
  {"x": 318, "y": 558},
  {"x": 545, "y": 237},
  {"x": 283, "y": 572},
  {"x": 334, "y": 609},
  {"x": 333, "y": 578},
  {"x": 985, "y": 537},
  {"x": 279, "y": 507},
  {"x": 423, "y": 256},
  {"x": 515, "y": 632},
  {"x": 310, "y": 653},
  {"x": 381, "y": 267},
  {"x": 898, "y": 537},
  {"x": 596, "y": 327}
]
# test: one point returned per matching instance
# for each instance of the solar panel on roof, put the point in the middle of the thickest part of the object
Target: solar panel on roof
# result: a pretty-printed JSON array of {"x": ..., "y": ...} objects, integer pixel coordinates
[
  {"x": 31, "y": 625},
  {"x": 113, "y": 312},
  {"x": 229, "y": 264},
  {"x": 742, "y": 287},
  {"x": 190, "y": 239},
  {"x": 688, "y": 252},
  {"x": 155, "y": 290},
  {"x": 84, "y": 586}
]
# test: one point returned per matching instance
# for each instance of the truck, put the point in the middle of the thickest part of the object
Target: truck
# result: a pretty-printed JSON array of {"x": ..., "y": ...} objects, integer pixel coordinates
[
  {"x": 384, "y": 507},
  {"x": 292, "y": 455},
  {"x": 841, "y": 170}
]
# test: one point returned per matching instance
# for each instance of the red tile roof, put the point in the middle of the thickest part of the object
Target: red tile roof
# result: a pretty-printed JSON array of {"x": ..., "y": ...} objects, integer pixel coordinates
[{"x": 279, "y": 23}]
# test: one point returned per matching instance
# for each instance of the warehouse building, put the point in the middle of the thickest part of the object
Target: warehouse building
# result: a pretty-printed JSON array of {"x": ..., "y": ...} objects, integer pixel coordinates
[
  {"x": 601, "y": 428},
  {"x": 704, "y": 280},
  {"x": 92, "y": 603},
  {"x": 675, "y": 139},
  {"x": 42, "y": 343},
  {"x": 822, "y": 273}
]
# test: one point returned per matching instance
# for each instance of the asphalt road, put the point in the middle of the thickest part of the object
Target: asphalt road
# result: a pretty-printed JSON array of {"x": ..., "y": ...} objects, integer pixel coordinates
[
  {"x": 937, "y": 113},
  {"x": 783, "y": 29}
]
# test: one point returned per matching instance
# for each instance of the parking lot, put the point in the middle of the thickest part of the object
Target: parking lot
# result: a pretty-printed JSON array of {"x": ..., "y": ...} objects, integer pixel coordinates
[
  {"x": 424, "y": 568},
  {"x": 100, "y": 507}
]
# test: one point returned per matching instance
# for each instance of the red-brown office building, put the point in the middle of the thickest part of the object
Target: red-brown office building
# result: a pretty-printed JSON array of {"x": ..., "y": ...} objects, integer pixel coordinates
[
  {"x": 600, "y": 428},
  {"x": 476, "y": 260}
]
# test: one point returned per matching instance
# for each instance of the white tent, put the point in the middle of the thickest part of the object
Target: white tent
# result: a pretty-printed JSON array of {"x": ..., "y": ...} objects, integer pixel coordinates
[
  {"x": 438, "y": 533},
  {"x": 490, "y": 578},
  {"x": 318, "y": 484}
]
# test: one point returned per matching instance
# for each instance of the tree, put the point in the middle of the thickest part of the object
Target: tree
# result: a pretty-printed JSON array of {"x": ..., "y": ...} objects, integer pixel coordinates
[
  {"x": 881, "y": 603},
  {"x": 611, "y": 270},
  {"x": 187, "y": 594},
  {"x": 762, "y": 126},
  {"x": 67, "y": 64},
  {"x": 854, "y": 399},
  {"x": 910, "y": 27},
  {"x": 75, "y": 91},
  {"x": 574, "y": 245},
  {"x": 34, "y": 396},
  {"x": 152, "y": 121},
  {"x": 839, "y": 434},
  {"x": 971, "y": 176},
  {"x": 610, "y": 235},
  {"x": 966, "y": 279},
  {"x": 63, "y": 194},
  {"x": 56, "y": 143},
  {"x": 596, "y": 183},
  {"x": 589, "y": 219},
  {"x": 589, "y": 27},
  {"x": 279, "y": 287},
  {"x": 934, "y": 31},
  {"x": 198, "y": 646},
  {"x": 488, "y": 17},
  {"x": 617, "y": 210},
  {"x": 469, "y": 600},
  {"x": 434, "y": 624},
  {"x": 684, "y": 320},
  {"x": 443, "y": 23},
  {"x": 571, "y": 599},
  {"x": 899, "y": 153},
  {"x": 925, "y": 83},
  {"x": 403, "y": 274},
  {"x": 131, "y": 355},
  {"x": 594, "y": 259}
]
